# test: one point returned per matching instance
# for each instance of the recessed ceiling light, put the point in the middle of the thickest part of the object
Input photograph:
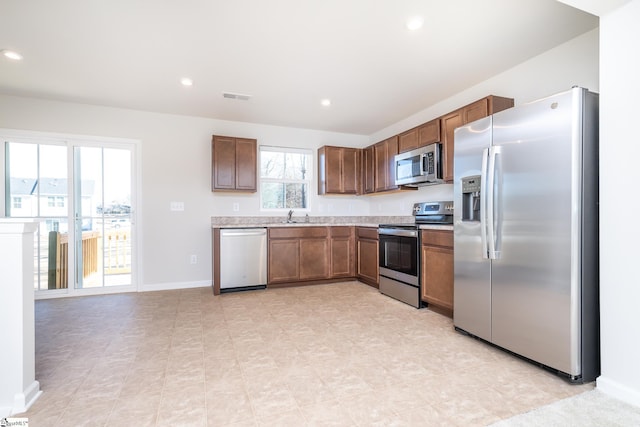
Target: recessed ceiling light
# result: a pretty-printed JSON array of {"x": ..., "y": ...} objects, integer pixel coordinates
[
  {"x": 186, "y": 81},
  {"x": 415, "y": 23},
  {"x": 12, "y": 54},
  {"x": 325, "y": 102}
]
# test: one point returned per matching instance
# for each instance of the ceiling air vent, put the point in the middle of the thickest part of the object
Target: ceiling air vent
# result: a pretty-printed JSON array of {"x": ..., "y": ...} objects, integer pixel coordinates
[{"x": 238, "y": 96}]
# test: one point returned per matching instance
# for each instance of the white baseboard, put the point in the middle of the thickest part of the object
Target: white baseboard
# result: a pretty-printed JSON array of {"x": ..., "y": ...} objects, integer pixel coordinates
[
  {"x": 173, "y": 285},
  {"x": 619, "y": 391},
  {"x": 22, "y": 401}
]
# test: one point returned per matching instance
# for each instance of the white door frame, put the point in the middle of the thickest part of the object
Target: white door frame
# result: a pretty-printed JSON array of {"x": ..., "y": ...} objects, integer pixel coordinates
[{"x": 71, "y": 141}]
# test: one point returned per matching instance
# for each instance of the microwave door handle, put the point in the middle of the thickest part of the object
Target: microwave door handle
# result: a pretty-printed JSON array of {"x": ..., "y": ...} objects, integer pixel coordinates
[{"x": 423, "y": 164}]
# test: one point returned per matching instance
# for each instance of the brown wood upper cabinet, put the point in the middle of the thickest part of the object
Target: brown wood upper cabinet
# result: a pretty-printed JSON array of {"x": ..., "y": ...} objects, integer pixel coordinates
[
  {"x": 339, "y": 170},
  {"x": 384, "y": 161},
  {"x": 460, "y": 117},
  {"x": 420, "y": 136},
  {"x": 368, "y": 170},
  {"x": 234, "y": 163}
]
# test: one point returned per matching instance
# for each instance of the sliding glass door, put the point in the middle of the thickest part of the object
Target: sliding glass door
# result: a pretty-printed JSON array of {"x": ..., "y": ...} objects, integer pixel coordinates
[
  {"x": 81, "y": 193},
  {"x": 102, "y": 215}
]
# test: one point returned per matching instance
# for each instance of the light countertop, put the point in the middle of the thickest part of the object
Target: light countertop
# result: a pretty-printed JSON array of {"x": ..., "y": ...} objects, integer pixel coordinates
[{"x": 357, "y": 221}]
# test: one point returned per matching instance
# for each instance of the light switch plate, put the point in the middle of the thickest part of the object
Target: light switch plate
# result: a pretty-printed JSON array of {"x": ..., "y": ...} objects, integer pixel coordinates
[{"x": 177, "y": 206}]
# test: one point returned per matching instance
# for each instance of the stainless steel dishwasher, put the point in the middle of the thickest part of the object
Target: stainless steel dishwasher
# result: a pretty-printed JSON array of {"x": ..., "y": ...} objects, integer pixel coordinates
[{"x": 243, "y": 259}]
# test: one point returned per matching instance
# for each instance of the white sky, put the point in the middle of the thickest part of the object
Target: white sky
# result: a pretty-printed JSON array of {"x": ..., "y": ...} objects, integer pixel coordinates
[{"x": 53, "y": 164}]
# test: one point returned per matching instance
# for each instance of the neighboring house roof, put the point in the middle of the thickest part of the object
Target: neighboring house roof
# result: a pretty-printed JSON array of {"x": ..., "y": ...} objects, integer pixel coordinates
[
  {"x": 22, "y": 186},
  {"x": 48, "y": 186}
]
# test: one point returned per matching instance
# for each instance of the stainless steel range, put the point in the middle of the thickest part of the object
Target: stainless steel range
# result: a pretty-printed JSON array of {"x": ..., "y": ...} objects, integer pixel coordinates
[{"x": 399, "y": 252}]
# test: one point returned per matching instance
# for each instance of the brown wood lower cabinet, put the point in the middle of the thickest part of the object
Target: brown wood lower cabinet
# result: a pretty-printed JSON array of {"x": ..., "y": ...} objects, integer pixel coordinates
[
  {"x": 342, "y": 252},
  {"x": 309, "y": 254},
  {"x": 314, "y": 262},
  {"x": 284, "y": 260},
  {"x": 367, "y": 258},
  {"x": 437, "y": 268},
  {"x": 298, "y": 254}
]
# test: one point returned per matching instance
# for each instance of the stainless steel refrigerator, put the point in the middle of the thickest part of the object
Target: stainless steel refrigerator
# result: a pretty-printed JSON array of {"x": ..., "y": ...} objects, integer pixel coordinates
[{"x": 526, "y": 232}]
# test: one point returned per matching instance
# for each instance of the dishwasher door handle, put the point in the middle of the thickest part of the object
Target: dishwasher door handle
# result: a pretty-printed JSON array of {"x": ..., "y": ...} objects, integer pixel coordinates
[{"x": 244, "y": 232}]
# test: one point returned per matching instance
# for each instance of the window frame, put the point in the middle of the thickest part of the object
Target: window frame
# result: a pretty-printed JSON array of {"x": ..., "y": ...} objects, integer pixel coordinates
[{"x": 308, "y": 178}]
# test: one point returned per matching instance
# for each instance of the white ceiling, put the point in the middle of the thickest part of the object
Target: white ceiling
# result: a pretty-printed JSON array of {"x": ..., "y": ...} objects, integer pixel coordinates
[{"x": 286, "y": 54}]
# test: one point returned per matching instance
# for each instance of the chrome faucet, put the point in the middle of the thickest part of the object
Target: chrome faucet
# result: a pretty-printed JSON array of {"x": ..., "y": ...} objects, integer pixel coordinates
[{"x": 289, "y": 215}]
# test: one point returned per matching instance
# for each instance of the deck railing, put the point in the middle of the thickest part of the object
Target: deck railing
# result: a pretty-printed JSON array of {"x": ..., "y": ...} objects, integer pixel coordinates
[
  {"x": 116, "y": 261},
  {"x": 118, "y": 258}
]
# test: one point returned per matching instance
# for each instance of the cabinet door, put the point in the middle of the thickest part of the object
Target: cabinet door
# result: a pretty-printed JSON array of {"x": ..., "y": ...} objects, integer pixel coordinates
[
  {"x": 437, "y": 276},
  {"x": 385, "y": 167},
  {"x": 368, "y": 166},
  {"x": 246, "y": 164},
  {"x": 420, "y": 136},
  {"x": 314, "y": 263},
  {"x": 350, "y": 171},
  {"x": 449, "y": 124},
  {"x": 367, "y": 265},
  {"x": 333, "y": 170},
  {"x": 381, "y": 166},
  {"x": 342, "y": 252},
  {"x": 408, "y": 140},
  {"x": 392, "y": 150},
  {"x": 284, "y": 260},
  {"x": 429, "y": 133},
  {"x": 223, "y": 163},
  {"x": 475, "y": 111}
]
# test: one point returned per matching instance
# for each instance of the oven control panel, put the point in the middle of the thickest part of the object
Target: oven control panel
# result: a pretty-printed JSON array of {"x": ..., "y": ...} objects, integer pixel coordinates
[{"x": 433, "y": 208}]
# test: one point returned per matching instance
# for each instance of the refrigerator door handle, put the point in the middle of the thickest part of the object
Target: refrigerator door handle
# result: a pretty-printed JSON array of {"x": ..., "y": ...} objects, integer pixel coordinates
[
  {"x": 483, "y": 204},
  {"x": 491, "y": 198}
]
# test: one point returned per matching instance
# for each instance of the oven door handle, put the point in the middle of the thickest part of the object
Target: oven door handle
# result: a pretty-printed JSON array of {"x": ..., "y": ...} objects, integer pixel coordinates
[{"x": 397, "y": 232}]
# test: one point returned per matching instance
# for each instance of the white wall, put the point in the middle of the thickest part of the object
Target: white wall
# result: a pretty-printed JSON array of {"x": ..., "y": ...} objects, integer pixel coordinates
[
  {"x": 176, "y": 166},
  {"x": 176, "y": 157},
  {"x": 574, "y": 63},
  {"x": 619, "y": 235}
]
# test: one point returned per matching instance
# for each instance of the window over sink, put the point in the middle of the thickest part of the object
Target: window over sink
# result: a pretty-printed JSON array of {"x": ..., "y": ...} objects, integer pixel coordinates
[{"x": 285, "y": 178}]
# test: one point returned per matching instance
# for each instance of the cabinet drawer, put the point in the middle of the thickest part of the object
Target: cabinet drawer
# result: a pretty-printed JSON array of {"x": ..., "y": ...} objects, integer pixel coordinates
[
  {"x": 437, "y": 238},
  {"x": 293, "y": 232},
  {"x": 344, "y": 231},
  {"x": 368, "y": 233}
]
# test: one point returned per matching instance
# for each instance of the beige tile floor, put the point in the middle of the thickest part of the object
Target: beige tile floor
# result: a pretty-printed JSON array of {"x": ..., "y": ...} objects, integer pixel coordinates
[{"x": 327, "y": 355}]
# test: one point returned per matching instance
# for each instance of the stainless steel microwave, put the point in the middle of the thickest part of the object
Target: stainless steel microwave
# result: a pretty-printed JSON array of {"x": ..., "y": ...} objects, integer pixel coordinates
[{"x": 422, "y": 166}]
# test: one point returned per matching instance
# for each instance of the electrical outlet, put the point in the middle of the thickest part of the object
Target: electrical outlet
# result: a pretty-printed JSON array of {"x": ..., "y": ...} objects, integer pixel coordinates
[
  {"x": 236, "y": 207},
  {"x": 194, "y": 259}
]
